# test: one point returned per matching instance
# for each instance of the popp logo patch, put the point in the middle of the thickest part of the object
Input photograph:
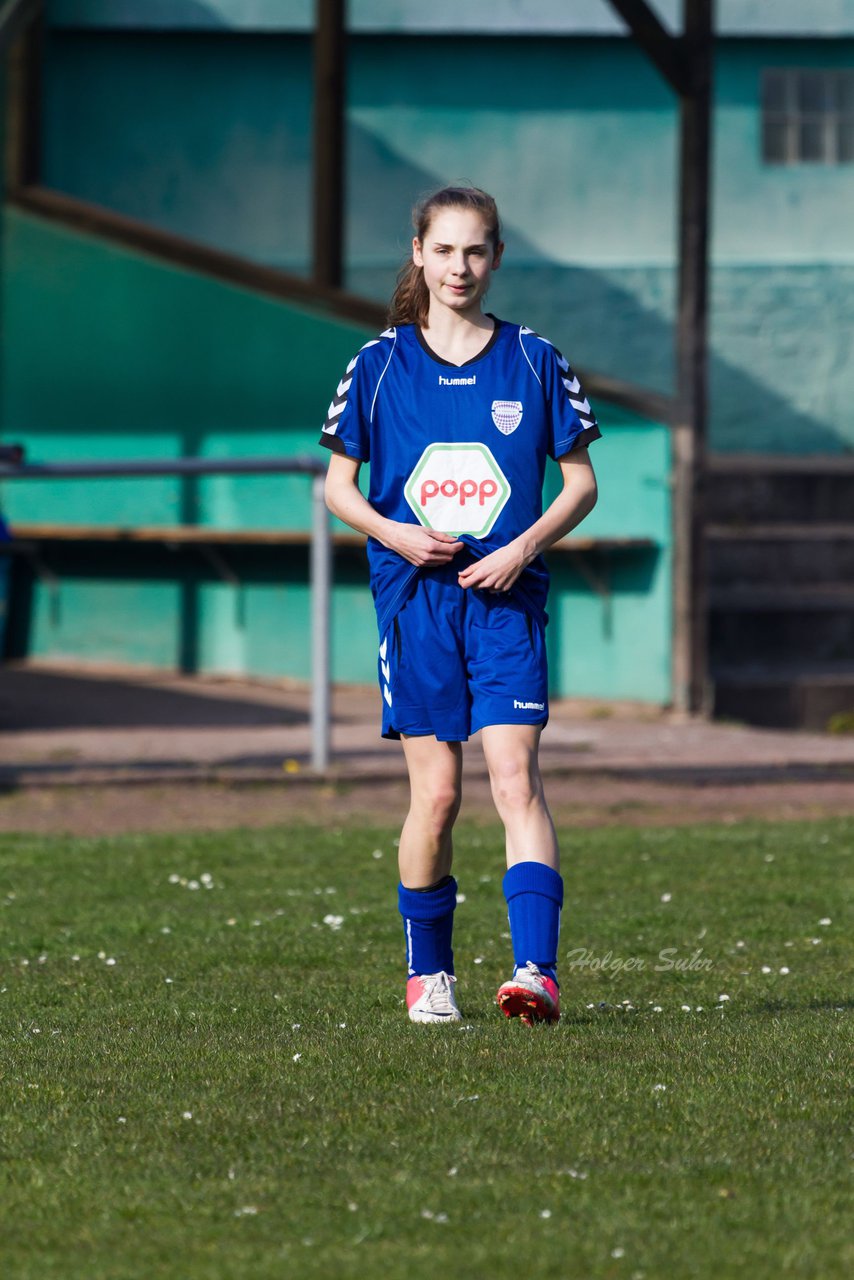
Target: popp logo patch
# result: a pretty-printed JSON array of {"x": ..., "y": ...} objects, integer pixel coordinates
[{"x": 457, "y": 488}]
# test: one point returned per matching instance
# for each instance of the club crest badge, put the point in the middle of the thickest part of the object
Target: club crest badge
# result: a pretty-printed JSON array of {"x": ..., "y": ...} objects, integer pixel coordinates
[{"x": 507, "y": 414}]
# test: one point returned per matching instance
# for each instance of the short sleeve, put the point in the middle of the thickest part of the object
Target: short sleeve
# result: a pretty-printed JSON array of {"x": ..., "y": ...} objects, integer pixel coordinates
[
  {"x": 572, "y": 422},
  {"x": 347, "y": 428}
]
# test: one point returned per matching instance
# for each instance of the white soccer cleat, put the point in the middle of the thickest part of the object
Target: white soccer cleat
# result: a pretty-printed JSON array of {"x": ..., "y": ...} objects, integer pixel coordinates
[{"x": 430, "y": 998}]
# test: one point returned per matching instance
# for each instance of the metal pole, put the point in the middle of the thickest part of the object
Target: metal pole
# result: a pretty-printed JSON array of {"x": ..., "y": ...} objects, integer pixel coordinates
[{"x": 321, "y": 576}]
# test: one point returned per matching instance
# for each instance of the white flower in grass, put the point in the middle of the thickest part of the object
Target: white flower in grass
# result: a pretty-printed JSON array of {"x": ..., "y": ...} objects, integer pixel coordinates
[
  {"x": 186, "y": 1115},
  {"x": 665, "y": 897},
  {"x": 102, "y": 955},
  {"x": 825, "y": 920},
  {"x": 815, "y": 941},
  {"x": 618, "y": 1253},
  {"x": 656, "y": 1008},
  {"x": 206, "y": 878},
  {"x": 723, "y": 997},
  {"x": 247, "y": 1211},
  {"x": 352, "y": 1206},
  {"x": 174, "y": 878},
  {"x": 766, "y": 968},
  {"x": 168, "y": 981},
  {"x": 75, "y": 958},
  {"x": 377, "y": 853},
  {"x": 478, "y": 959},
  {"x": 121, "y": 1120},
  {"x": 741, "y": 944},
  {"x": 334, "y": 922},
  {"x": 297, "y": 1057},
  {"x": 769, "y": 857},
  {"x": 686, "y": 1008},
  {"x": 545, "y": 1213},
  {"x": 784, "y": 968},
  {"x": 659, "y": 1088}
]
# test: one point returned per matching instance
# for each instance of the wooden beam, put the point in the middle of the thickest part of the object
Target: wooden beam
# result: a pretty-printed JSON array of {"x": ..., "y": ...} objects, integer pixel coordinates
[
  {"x": 92, "y": 219},
  {"x": 15, "y": 17},
  {"x": 664, "y": 50},
  {"x": 24, "y": 39},
  {"x": 652, "y": 405},
  {"x": 329, "y": 112},
  {"x": 690, "y": 645}
]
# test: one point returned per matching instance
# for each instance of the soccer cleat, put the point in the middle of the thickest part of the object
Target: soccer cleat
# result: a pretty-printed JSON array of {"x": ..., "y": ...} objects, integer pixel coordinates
[
  {"x": 430, "y": 998},
  {"x": 529, "y": 996}
]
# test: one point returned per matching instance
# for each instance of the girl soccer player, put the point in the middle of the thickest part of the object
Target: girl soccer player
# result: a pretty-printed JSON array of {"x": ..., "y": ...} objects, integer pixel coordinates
[{"x": 456, "y": 412}]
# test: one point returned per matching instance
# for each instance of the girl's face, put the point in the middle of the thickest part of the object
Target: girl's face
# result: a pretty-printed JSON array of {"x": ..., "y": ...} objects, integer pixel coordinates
[{"x": 458, "y": 260}]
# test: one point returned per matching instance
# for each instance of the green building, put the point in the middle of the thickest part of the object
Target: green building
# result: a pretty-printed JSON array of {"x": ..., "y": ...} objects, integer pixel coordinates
[{"x": 193, "y": 119}]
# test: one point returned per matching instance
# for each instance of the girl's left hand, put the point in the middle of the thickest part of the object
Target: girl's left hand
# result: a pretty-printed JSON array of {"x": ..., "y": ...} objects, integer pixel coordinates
[{"x": 496, "y": 572}]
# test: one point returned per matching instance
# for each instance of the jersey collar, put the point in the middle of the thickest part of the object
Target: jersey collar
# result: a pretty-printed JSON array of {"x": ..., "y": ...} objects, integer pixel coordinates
[{"x": 484, "y": 351}]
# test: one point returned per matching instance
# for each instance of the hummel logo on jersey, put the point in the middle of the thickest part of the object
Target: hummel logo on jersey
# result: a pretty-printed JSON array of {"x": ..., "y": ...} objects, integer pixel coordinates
[
  {"x": 528, "y": 706},
  {"x": 506, "y": 414},
  {"x": 457, "y": 382}
]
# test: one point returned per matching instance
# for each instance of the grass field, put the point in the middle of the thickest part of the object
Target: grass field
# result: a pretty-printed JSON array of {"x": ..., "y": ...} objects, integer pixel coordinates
[{"x": 220, "y": 1081}]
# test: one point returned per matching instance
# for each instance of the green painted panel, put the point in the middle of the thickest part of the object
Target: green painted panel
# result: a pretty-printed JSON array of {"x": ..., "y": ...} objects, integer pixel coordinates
[
  {"x": 135, "y": 622},
  {"x": 148, "y": 360}
]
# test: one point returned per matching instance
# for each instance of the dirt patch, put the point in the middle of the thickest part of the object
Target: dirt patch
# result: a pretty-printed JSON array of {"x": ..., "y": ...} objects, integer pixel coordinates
[{"x": 575, "y": 802}]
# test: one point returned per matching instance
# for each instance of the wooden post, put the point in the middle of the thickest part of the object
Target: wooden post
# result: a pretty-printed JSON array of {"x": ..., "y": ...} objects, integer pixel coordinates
[
  {"x": 24, "y": 39},
  {"x": 329, "y": 105},
  {"x": 685, "y": 62},
  {"x": 690, "y": 592}
]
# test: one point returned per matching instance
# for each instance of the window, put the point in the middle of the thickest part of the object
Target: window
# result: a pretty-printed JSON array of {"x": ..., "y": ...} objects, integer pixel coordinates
[{"x": 808, "y": 117}]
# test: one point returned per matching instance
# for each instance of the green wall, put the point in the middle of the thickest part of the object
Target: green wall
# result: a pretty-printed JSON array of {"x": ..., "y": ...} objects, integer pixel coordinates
[
  {"x": 208, "y": 135},
  {"x": 110, "y": 353}
]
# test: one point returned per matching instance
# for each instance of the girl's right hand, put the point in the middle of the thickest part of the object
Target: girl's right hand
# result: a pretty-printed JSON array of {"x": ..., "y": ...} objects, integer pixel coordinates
[{"x": 423, "y": 547}]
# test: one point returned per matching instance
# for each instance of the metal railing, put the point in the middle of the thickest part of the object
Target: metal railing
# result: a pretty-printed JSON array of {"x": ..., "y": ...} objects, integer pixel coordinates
[{"x": 320, "y": 556}]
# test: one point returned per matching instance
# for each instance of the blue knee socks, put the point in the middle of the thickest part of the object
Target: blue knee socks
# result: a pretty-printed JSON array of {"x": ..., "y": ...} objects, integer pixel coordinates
[
  {"x": 428, "y": 923},
  {"x": 534, "y": 894}
]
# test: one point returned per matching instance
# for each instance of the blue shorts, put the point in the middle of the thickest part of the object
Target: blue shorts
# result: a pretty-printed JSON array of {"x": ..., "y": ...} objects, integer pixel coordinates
[{"x": 455, "y": 660}]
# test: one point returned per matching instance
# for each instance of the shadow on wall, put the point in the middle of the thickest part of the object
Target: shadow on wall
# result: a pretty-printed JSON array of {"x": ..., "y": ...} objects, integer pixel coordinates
[{"x": 620, "y": 320}]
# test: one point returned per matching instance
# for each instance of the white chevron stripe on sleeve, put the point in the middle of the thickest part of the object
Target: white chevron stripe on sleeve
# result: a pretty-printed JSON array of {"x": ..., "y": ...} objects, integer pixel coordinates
[
  {"x": 572, "y": 387},
  {"x": 583, "y": 406}
]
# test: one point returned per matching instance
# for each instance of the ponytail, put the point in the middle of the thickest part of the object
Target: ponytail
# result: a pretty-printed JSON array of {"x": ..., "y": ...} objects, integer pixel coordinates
[{"x": 410, "y": 302}]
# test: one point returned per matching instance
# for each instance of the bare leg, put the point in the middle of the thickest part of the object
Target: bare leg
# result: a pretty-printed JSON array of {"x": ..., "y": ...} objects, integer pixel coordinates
[
  {"x": 517, "y": 790},
  {"x": 435, "y": 780}
]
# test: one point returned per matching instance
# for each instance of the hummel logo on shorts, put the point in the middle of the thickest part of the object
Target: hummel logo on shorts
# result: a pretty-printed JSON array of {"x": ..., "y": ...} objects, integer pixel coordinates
[{"x": 528, "y": 706}]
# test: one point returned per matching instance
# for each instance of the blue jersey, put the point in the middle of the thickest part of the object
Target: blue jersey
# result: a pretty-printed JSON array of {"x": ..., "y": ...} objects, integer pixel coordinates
[{"x": 457, "y": 448}]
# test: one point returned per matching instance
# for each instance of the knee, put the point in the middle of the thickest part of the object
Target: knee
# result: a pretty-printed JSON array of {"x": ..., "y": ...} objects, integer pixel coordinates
[
  {"x": 438, "y": 803},
  {"x": 516, "y": 783}
]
